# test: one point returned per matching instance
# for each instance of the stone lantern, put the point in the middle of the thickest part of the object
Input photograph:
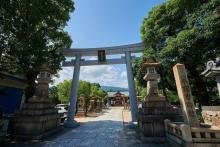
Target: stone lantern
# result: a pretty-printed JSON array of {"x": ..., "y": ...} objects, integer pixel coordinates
[
  {"x": 38, "y": 117},
  {"x": 91, "y": 104},
  {"x": 81, "y": 104},
  {"x": 211, "y": 114},
  {"x": 42, "y": 88},
  {"x": 155, "y": 109},
  {"x": 152, "y": 79},
  {"x": 213, "y": 71}
]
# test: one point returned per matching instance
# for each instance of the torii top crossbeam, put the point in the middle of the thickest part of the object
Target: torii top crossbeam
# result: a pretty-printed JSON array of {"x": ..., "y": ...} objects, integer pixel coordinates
[
  {"x": 133, "y": 48},
  {"x": 114, "y": 50}
]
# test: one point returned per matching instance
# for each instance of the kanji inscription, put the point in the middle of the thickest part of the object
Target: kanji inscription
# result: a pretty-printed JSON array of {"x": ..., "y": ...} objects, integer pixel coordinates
[{"x": 185, "y": 95}]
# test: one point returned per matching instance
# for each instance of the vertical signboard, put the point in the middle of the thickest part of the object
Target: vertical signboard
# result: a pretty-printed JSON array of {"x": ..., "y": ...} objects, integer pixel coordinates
[
  {"x": 101, "y": 56},
  {"x": 185, "y": 95}
]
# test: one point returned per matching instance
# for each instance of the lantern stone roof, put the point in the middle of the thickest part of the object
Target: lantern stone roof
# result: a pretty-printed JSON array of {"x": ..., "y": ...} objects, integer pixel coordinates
[
  {"x": 44, "y": 67},
  {"x": 212, "y": 68},
  {"x": 150, "y": 62},
  {"x": 150, "y": 65}
]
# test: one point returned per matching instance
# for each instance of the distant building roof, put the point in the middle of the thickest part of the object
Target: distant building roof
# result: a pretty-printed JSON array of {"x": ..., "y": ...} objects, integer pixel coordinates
[
  {"x": 112, "y": 94},
  {"x": 118, "y": 93}
]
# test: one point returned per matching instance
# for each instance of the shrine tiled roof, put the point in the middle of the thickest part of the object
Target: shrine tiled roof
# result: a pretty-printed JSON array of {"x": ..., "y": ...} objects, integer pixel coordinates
[{"x": 112, "y": 94}]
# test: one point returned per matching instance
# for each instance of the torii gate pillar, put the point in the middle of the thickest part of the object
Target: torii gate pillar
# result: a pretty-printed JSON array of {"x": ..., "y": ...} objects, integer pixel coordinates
[
  {"x": 131, "y": 87},
  {"x": 114, "y": 50},
  {"x": 70, "y": 122}
]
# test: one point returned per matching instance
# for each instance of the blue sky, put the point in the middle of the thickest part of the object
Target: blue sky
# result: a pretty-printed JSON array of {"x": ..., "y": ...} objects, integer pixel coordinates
[{"x": 102, "y": 23}]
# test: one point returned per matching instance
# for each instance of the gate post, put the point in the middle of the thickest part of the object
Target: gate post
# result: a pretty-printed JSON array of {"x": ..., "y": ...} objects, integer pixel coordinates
[
  {"x": 70, "y": 122},
  {"x": 131, "y": 87}
]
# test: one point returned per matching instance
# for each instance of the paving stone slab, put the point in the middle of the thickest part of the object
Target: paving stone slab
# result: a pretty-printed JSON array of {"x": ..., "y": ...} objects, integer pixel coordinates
[{"x": 106, "y": 130}]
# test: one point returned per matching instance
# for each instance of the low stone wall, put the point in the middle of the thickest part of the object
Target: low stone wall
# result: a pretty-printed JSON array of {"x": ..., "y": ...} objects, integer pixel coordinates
[
  {"x": 211, "y": 115},
  {"x": 182, "y": 135}
]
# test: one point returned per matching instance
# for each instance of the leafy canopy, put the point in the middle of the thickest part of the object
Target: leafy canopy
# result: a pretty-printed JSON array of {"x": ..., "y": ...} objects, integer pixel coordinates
[
  {"x": 85, "y": 89},
  {"x": 31, "y": 33},
  {"x": 183, "y": 31}
]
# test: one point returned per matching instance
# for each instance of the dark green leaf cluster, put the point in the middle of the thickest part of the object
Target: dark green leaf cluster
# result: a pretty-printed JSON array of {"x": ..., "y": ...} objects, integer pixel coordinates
[
  {"x": 31, "y": 33},
  {"x": 53, "y": 94},
  {"x": 188, "y": 32},
  {"x": 85, "y": 89}
]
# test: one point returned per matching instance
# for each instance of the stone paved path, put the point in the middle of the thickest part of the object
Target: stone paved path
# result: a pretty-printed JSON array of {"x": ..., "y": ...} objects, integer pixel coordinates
[
  {"x": 106, "y": 130},
  {"x": 102, "y": 131}
]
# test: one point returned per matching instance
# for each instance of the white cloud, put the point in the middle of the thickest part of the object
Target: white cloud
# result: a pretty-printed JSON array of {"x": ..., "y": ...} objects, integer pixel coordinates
[
  {"x": 124, "y": 74},
  {"x": 108, "y": 75},
  {"x": 65, "y": 74}
]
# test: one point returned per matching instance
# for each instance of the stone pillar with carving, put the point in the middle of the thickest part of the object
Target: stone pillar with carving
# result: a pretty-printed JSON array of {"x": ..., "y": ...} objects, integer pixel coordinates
[
  {"x": 155, "y": 109},
  {"x": 98, "y": 106},
  {"x": 91, "y": 104},
  {"x": 185, "y": 95},
  {"x": 38, "y": 117},
  {"x": 81, "y": 105}
]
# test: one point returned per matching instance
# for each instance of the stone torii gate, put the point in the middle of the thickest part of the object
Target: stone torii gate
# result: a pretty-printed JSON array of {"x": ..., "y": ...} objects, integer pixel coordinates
[{"x": 101, "y": 54}]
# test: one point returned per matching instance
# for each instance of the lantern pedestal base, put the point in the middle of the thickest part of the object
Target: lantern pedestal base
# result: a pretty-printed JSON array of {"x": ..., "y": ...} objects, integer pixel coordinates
[
  {"x": 35, "y": 120},
  {"x": 151, "y": 119}
]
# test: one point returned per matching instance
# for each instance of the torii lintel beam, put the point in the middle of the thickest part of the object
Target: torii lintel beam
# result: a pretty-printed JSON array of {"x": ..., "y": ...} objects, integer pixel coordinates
[{"x": 133, "y": 48}]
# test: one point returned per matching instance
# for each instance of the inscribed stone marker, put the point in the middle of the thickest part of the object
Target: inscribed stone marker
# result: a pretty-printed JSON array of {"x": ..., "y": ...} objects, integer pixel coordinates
[{"x": 185, "y": 95}]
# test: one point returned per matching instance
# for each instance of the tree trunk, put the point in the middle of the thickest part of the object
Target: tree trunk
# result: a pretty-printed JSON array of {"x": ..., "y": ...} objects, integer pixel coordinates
[
  {"x": 200, "y": 89},
  {"x": 201, "y": 92},
  {"x": 29, "y": 91}
]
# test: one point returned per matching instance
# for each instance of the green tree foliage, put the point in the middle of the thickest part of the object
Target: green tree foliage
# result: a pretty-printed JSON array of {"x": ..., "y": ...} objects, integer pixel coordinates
[
  {"x": 183, "y": 31},
  {"x": 140, "y": 89},
  {"x": 53, "y": 94},
  {"x": 85, "y": 89},
  {"x": 97, "y": 92},
  {"x": 31, "y": 33},
  {"x": 94, "y": 90},
  {"x": 64, "y": 90}
]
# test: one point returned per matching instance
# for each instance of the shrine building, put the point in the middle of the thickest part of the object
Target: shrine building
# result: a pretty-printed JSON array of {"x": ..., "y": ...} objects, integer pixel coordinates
[{"x": 118, "y": 98}]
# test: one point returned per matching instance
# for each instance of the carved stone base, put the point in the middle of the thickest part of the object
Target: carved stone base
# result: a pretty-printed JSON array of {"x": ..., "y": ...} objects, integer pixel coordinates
[
  {"x": 151, "y": 119},
  {"x": 211, "y": 115},
  {"x": 154, "y": 98},
  {"x": 80, "y": 113},
  {"x": 91, "y": 105},
  {"x": 35, "y": 120},
  {"x": 98, "y": 110},
  {"x": 98, "y": 106}
]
